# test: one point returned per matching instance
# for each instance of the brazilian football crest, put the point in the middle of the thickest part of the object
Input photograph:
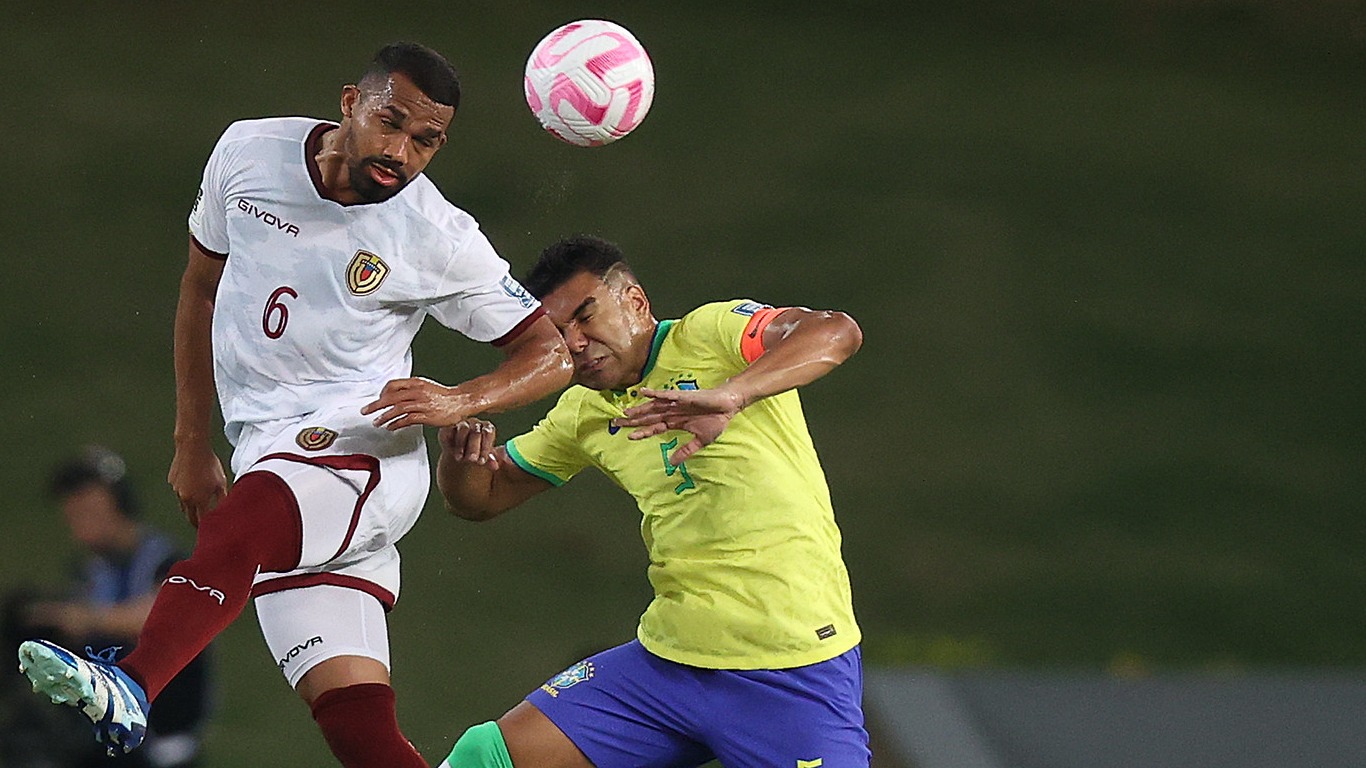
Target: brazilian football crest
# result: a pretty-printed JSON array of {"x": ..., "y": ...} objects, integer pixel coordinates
[
  {"x": 579, "y": 673},
  {"x": 315, "y": 438},
  {"x": 365, "y": 272}
]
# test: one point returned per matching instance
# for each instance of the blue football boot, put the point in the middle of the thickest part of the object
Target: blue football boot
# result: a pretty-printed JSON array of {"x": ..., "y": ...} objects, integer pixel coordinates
[{"x": 106, "y": 694}]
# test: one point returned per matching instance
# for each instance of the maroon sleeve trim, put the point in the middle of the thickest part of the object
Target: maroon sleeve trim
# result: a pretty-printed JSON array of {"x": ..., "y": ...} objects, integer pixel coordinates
[
  {"x": 519, "y": 328},
  {"x": 207, "y": 252}
]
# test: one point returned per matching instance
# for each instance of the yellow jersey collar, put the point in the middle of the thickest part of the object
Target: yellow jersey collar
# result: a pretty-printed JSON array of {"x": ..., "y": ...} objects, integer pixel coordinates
[{"x": 661, "y": 332}]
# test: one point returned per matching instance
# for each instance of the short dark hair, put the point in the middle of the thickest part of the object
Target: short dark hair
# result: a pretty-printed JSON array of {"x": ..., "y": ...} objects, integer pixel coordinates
[
  {"x": 429, "y": 70},
  {"x": 569, "y": 256},
  {"x": 95, "y": 466}
]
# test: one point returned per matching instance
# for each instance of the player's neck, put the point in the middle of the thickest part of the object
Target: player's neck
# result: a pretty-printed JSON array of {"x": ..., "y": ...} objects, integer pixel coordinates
[
  {"x": 335, "y": 178},
  {"x": 644, "y": 347}
]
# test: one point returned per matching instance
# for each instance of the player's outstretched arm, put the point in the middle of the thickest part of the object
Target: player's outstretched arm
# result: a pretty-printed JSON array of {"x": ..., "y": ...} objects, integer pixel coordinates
[
  {"x": 196, "y": 474},
  {"x": 476, "y": 478},
  {"x": 535, "y": 364},
  {"x": 800, "y": 346}
]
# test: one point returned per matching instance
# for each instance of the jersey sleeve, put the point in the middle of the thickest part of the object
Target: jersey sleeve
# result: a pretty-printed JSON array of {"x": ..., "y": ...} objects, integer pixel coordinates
[
  {"x": 551, "y": 450},
  {"x": 481, "y": 299},
  {"x": 209, "y": 218},
  {"x": 732, "y": 331}
]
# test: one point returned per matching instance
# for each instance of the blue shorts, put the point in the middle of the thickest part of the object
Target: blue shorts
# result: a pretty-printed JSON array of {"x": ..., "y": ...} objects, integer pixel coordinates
[{"x": 627, "y": 708}]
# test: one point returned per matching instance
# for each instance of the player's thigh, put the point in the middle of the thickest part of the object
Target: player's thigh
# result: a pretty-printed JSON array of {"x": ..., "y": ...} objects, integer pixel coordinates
[
  {"x": 807, "y": 716},
  {"x": 311, "y": 625},
  {"x": 624, "y": 708},
  {"x": 533, "y": 740},
  {"x": 348, "y": 505}
]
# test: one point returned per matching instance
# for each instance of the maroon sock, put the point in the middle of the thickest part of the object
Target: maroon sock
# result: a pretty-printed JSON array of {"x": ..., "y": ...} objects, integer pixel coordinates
[
  {"x": 256, "y": 525},
  {"x": 361, "y": 727}
]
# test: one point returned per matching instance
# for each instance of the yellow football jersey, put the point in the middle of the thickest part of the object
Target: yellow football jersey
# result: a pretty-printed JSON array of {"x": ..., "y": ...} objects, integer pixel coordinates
[{"x": 744, "y": 551}]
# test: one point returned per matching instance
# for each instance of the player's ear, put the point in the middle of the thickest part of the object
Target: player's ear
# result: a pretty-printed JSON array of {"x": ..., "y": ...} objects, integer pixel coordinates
[
  {"x": 349, "y": 96},
  {"x": 637, "y": 300}
]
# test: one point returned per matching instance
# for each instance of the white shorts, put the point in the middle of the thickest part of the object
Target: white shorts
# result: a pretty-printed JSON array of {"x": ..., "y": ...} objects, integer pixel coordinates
[
  {"x": 358, "y": 489},
  {"x": 307, "y": 626}
]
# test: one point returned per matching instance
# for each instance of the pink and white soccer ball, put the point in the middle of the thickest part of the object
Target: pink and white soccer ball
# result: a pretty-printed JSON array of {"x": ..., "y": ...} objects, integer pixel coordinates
[{"x": 589, "y": 82}]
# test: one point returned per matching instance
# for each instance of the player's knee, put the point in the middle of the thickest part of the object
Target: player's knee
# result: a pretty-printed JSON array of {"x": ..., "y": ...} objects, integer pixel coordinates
[{"x": 481, "y": 746}]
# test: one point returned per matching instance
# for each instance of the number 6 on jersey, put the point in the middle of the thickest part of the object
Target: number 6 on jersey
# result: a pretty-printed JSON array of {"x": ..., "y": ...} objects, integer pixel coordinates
[{"x": 276, "y": 314}]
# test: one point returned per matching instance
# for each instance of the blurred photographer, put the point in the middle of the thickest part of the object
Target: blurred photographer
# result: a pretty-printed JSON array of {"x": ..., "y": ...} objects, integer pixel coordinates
[{"x": 120, "y": 563}]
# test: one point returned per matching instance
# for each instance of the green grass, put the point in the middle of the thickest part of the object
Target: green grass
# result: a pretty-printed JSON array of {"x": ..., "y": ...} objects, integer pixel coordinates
[{"x": 1107, "y": 259}]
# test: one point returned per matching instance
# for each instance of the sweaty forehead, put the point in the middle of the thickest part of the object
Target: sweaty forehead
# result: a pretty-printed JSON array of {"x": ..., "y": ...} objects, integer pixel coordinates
[
  {"x": 397, "y": 91},
  {"x": 579, "y": 292}
]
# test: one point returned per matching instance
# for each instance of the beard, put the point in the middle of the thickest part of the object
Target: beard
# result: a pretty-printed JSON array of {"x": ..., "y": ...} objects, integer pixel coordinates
[
  {"x": 364, "y": 185},
  {"x": 358, "y": 173}
]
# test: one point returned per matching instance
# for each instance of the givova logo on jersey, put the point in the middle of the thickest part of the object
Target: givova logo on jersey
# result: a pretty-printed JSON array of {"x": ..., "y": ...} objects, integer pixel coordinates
[{"x": 365, "y": 272}]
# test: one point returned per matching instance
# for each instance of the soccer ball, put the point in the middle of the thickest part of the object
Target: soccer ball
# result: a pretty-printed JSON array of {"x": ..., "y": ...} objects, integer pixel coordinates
[{"x": 589, "y": 82}]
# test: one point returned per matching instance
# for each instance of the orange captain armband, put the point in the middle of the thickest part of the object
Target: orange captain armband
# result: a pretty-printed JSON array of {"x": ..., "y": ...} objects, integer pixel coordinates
[{"x": 752, "y": 341}]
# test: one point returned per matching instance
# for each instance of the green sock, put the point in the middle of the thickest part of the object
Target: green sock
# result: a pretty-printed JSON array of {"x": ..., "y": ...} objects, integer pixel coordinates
[{"x": 481, "y": 746}]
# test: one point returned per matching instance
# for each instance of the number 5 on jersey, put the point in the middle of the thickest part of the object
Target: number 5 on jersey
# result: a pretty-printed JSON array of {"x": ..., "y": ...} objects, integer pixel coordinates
[{"x": 670, "y": 469}]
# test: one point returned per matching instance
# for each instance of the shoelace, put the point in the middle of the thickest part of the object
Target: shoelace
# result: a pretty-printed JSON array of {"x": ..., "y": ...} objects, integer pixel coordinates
[{"x": 107, "y": 655}]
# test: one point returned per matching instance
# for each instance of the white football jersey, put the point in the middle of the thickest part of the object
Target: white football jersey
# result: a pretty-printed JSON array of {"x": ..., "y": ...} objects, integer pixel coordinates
[{"x": 319, "y": 301}]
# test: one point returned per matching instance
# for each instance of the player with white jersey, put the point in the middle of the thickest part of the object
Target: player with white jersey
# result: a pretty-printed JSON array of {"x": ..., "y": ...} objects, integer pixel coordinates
[{"x": 317, "y": 250}]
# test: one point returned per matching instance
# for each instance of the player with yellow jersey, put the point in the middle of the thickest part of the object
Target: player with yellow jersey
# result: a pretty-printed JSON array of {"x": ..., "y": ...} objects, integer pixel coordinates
[{"x": 748, "y": 652}]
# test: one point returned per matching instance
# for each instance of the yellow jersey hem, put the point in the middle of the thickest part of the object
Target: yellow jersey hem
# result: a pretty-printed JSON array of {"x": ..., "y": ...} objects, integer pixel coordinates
[{"x": 824, "y": 652}]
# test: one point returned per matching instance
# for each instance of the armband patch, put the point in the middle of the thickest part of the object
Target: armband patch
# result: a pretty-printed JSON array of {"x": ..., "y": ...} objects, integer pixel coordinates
[{"x": 752, "y": 340}]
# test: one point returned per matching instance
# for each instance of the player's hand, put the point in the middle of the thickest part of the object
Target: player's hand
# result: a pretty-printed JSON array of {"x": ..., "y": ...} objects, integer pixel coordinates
[
  {"x": 405, "y": 402},
  {"x": 702, "y": 412},
  {"x": 197, "y": 478},
  {"x": 470, "y": 442}
]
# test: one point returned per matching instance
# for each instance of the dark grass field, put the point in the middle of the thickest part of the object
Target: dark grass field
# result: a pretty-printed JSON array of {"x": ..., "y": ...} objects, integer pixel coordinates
[{"x": 1107, "y": 258}]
